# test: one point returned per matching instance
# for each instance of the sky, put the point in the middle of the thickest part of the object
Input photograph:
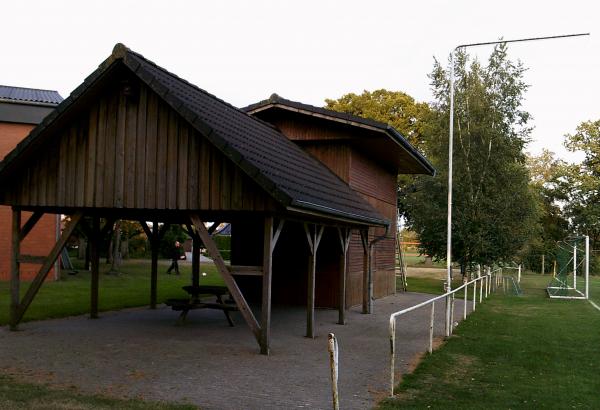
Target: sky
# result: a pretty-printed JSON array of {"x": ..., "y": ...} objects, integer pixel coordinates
[{"x": 243, "y": 51}]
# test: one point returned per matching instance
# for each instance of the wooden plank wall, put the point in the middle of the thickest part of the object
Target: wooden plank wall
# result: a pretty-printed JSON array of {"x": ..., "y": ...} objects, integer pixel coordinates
[
  {"x": 133, "y": 153},
  {"x": 331, "y": 143},
  {"x": 378, "y": 186},
  {"x": 335, "y": 156}
]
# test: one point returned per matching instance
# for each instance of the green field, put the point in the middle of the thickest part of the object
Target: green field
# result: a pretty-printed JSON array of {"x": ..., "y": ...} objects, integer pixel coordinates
[
  {"x": 16, "y": 395},
  {"x": 513, "y": 352},
  {"x": 71, "y": 295}
]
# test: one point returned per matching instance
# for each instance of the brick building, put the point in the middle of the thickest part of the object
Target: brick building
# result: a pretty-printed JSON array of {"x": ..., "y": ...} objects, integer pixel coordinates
[{"x": 21, "y": 109}]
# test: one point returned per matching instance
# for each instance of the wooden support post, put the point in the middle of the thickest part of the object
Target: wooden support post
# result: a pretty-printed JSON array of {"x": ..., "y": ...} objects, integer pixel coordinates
[
  {"x": 234, "y": 290},
  {"x": 196, "y": 243},
  {"x": 366, "y": 302},
  {"x": 265, "y": 313},
  {"x": 15, "y": 268},
  {"x": 94, "y": 239},
  {"x": 314, "y": 238},
  {"x": 196, "y": 260},
  {"x": 344, "y": 235},
  {"x": 269, "y": 242},
  {"x": 43, "y": 272}
]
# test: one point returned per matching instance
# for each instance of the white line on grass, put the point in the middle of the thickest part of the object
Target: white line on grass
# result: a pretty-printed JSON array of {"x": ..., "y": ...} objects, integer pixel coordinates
[{"x": 594, "y": 305}]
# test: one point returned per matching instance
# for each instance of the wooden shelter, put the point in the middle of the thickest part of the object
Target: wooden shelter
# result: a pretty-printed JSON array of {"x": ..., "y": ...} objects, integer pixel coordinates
[
  {"x": 368, "y": 156},
  {"x": 139, "y": 143}
]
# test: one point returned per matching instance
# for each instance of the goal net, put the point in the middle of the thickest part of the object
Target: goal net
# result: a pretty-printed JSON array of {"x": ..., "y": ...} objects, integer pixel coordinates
[{"x": 572, "y": 269}]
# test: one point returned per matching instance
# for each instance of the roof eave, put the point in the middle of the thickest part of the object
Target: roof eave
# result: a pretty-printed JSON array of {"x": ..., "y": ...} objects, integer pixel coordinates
[
  {"x": 412, "y": 151},
  {"x": 396, "y": 136},
  {"x": 336, "y": 214}
]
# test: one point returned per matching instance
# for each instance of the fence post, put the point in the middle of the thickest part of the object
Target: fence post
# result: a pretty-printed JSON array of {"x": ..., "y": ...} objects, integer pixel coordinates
[
  {"x": 431, "y": 328},
  {"x": 333, "y": 364},
  {"x": 392, "y": 353},
  {"x": 452, "y": 314},
  {"x": 480, "y": 290},
  {"x": 466, "y": 290},
  {"x": 474, "y": 295},
  {"x": 519, "y": 277}
]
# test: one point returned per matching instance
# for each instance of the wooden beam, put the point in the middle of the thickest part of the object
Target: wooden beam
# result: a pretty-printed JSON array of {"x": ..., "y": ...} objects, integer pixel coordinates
[
  {"x": 277, "y": 233},
  {"x": 15, "y": 268},
  {"x": 32, "y": 259},
  {"x": 366, "y": 303},
  {"x": 344, "y": 235},
  {"x": 196, "y": 243},
  {"x": 267, "y": 268},
  {"x": 314, "y": 238},
  {"x": 33, "y": 219},
  {"x": 240, "y": 270},
  {"x": 95, "y": 265},
  {"x": 43, "y": 272},
  {"x": 146, "y": 229},
  {"x": 234, "y": 290}
]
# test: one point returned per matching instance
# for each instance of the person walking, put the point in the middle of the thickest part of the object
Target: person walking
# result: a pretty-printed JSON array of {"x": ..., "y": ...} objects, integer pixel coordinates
[{"x": 175, "y": 257}]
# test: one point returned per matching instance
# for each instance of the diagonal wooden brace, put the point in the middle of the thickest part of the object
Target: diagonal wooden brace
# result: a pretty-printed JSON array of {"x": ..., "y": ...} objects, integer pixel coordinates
[
  {"x": 43, "y": 272},
  {"x": 234, "y": 290}
]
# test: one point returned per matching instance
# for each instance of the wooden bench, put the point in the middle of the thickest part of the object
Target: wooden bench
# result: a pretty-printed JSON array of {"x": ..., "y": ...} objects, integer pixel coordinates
[{"x": 194, "y": 302}]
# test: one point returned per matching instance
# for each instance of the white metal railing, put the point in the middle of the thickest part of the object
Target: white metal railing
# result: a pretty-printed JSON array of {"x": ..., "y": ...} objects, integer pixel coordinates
[{"x": 487, "y": 283}]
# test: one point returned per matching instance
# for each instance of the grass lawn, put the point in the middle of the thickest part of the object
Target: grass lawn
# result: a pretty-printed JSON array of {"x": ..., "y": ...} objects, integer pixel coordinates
[
  {"x": 419, "y": 261},
  {"x": 14, "y": 395},
  {"x": 71, "y": 295},
  {"x": 513, "y": 352}
]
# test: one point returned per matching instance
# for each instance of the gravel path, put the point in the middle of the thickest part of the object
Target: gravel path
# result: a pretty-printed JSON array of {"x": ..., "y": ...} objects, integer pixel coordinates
[{"x": 141, "y": 353}]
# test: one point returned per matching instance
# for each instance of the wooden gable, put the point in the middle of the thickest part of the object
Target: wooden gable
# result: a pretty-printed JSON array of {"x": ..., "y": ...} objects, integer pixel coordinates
[{"x": 126, "y": 148}]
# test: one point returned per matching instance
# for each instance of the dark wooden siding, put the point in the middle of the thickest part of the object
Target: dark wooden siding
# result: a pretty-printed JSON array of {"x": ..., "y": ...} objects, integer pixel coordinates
[
  {"x": 332, "y": 144},
  {"x": 123, "y": 152},
  {"x": 295, "y": 127},
  {"x": 336, "y": 156},
  {"x": 378, "y": 186}
]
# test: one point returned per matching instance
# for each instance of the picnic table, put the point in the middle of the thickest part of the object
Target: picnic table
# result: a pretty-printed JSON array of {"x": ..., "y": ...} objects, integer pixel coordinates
[{"x": 194, "y": 301}]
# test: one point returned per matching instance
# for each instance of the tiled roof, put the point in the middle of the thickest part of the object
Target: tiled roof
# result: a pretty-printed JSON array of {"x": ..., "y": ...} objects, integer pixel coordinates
[
  {"x": 283, "y": 169},
  {"x": 29, "y": 95},
  {"x": 276, "y": 101},
  {"x": 292, "y": 177}
]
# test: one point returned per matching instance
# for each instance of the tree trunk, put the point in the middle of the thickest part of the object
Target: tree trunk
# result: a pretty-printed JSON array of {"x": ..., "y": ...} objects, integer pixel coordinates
[{"x": 125, "y": 249}]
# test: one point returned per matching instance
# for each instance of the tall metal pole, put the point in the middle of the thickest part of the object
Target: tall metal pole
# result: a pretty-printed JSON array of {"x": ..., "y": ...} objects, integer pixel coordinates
[
  {"x": 449, "y": 232},
  {"x": 450, "y": 149}
]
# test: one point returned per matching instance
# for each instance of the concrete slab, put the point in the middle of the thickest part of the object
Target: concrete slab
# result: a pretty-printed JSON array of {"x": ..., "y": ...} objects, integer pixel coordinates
[{"x": 142, "y": 353}]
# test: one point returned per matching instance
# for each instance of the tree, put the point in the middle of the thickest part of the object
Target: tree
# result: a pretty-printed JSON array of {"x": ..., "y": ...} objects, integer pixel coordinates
[
  {"x": 545, "y": 173},
  {"x": 395, "y": 108},
  {"x": 494, "y": 208},
  {"x": 580, "y": 183}
]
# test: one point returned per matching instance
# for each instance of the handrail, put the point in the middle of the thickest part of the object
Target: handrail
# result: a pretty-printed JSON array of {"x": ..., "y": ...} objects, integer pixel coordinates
[{"x": 449, "y": 296}]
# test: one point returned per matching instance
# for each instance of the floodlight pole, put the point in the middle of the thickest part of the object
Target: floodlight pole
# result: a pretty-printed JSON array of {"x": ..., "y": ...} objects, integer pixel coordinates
[{"x": 450, "y": 152}]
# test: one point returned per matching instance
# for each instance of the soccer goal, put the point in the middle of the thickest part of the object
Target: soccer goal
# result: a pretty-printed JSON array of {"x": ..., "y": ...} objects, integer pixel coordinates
[{"x": 571, "y": 279}]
